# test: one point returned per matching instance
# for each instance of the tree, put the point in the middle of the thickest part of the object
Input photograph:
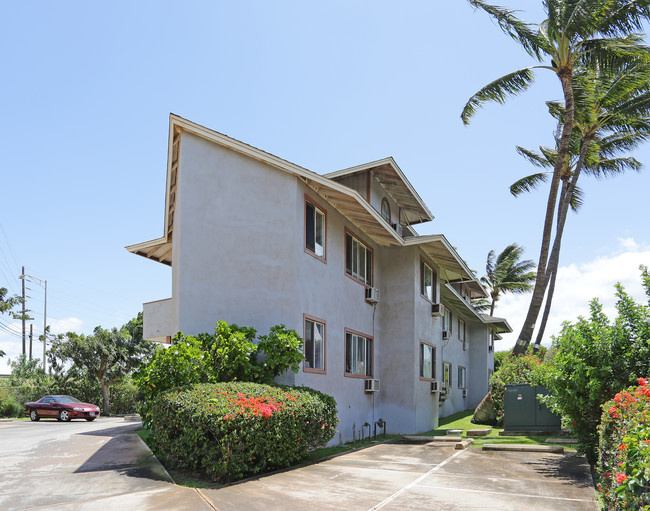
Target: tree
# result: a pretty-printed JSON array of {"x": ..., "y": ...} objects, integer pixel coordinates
[
  {"x": 7, "y": 303},
  {"x": 612, "y": 117},
  {"x": 576, "y": 34},
  {"x": 505, "y": 273},
  {"x": 106, "y": 356}
]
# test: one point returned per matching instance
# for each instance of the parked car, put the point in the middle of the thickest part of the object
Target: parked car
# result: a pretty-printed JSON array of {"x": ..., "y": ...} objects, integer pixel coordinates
[{"x": 62, "y": 408}]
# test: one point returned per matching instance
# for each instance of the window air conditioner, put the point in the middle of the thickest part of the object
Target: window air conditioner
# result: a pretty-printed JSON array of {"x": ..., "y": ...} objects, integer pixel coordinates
[
  {"x": 372, "y": 295},
  {"x": 446, "y": 334},
  {"x": 398, "y": 228},
  {"x": 371, "y": 385},
  {"x": 437, "y": 310},
  {"x": 435, "y": 386},
  {"x": 464, "y": 392},
  {"x": 443, "y": 388}
]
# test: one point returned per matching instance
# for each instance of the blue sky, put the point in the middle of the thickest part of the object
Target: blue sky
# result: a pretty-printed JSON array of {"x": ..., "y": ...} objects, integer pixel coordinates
[{"x": 88, "y": 87}]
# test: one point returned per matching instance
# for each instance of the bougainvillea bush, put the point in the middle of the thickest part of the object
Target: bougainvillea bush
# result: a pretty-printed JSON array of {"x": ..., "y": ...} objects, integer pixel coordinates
[
  {"x": 232, "y": 430},
  {"x": 624, "y": 449}
]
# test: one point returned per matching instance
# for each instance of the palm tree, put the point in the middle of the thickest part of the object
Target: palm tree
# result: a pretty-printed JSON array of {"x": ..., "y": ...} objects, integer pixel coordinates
[
  {"x": 505, "y": 273},
  {"x": 575, "y": 34},
  {"x": 613, "y": 116}
]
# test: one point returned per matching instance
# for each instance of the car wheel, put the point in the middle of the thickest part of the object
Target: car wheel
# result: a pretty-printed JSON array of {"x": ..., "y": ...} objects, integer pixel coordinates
[
  {"x": 90, "y": 419},
  {"x": 64, "y": 416},
  {"x": 33, "y": 415}
]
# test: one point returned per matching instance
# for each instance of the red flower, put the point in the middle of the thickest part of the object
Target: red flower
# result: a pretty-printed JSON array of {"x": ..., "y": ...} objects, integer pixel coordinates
[
  {"x": 642, "y": 381},
  {"x": 613, "y": 412},
  {"x": 620, "y": 477},
  {"x": 622, "y": 447},
  {"x": 617, "y": 398}
]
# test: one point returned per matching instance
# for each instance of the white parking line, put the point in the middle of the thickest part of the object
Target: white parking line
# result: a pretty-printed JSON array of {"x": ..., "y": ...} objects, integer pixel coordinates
[
  {"x": 504, "y": 493},
  {"x": 412, "y": 484}
]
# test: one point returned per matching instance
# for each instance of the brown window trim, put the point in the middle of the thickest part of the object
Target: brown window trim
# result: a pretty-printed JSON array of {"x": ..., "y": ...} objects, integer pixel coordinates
[
  {"x": 306, "y": 317},
  {"x": 435, "y": 276},
  {"x": 465, "y": 382},
  {"x": 353, "y": 375},
  {"x": 304, "y": 230},
  {"x": 451, "y": 375},
  {"x": 435, "y": 354},
  {"x": 372, "y": 258}
]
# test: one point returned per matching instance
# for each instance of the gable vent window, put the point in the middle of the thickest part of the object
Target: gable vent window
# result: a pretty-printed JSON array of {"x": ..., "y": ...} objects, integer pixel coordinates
[{"x": 385, "y": 210}]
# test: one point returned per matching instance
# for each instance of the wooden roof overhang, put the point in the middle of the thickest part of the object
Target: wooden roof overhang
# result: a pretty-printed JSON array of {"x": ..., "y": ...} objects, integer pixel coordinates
[
  {"x": 450, "y": 295},
  {"x": 391, "y": 177}
]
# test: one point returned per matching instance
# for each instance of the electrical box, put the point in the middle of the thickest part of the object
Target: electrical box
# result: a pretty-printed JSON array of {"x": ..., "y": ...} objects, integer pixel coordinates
[{"x": 524, "y": 412}]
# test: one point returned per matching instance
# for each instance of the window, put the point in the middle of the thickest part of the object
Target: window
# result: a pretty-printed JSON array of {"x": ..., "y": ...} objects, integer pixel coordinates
[
  {"x": 314, "y": 349},
  {"x": 446, "y": 321},
  {"x": 491, "y": 341},
  {"x": 358, "y": 260},
  {"x": 385, "y": 209},
  {"x": 427, "y": 361},
  {"x": 446, "y": 373},
  {"x": 461, "y": 330},
  {"x": 358, "y": 355},
  {"x": 427, "y": 281},
  {"x": 314, "y": 229},
  {"x": 461, "y": 377}
]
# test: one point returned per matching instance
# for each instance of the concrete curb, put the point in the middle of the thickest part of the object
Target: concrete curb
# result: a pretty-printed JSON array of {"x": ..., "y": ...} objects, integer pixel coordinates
[
  {"x": 465, "y": 443},
  {"x": 414, "y": 438},
  {"x": 557, "y": 449}
]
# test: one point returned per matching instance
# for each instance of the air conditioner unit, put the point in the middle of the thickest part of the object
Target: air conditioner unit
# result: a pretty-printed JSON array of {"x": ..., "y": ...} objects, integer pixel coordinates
[
  {"x": 435, "y": 386},
  {"x": 372, "y": 295},
  {"x": 444, "y": 388},
  {"x": 446, "y": 334},
  {"x": 464, "y": 392},
  {"x": 371, "y": 385},
  {"x": 490, "y": 348},
  {"x": 437, "y": 310},
  {"x": 398, "y": 228},
  {"x": 464, "y": 345}
]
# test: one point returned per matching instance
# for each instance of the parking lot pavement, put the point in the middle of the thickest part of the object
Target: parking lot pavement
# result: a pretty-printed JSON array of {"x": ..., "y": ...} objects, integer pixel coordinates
[
  {"x": 79, "y": 465},
  {"x": 395, "y": 477}
]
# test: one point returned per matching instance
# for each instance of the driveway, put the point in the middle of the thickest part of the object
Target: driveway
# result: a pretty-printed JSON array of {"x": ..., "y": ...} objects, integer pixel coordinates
[{"x": 49, "y": 465}]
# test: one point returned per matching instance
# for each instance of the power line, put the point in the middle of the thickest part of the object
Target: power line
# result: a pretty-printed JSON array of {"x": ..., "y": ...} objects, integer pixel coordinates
[{"x": 9, "y": 246}]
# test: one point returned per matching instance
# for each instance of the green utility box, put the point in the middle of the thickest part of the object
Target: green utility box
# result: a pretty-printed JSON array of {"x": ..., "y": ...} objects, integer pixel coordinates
[{"x": 522, "y": 411}]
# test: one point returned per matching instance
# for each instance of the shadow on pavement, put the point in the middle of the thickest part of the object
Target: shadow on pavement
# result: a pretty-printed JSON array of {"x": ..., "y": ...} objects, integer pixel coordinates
[{"x": 570, "y": 469}]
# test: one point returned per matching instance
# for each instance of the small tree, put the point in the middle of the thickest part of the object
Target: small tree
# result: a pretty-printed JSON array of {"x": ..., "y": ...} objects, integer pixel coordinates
[
  {"x": 595, "y": 359},
  {"x": 106, "y": 357}
]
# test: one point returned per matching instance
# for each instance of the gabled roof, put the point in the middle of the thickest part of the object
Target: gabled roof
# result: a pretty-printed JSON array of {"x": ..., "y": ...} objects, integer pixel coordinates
[
  {"x": 346, "y": 200},
  {"x": 391, "y": 177}
]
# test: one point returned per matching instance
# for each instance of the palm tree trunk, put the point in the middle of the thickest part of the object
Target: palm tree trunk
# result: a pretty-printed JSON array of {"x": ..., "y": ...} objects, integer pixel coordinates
[
  {"x": 541, "y": 282},
  {"x": 563, "y": 209}
]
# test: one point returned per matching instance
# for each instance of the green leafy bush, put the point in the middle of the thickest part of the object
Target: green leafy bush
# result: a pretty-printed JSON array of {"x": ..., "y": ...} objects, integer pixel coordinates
[
  {"x": 624, "y": 449},
  {"x": 231, "y": 430},
  {"x": 594, "y": 359},
  {"x": 514, "y": 369},
  {"x": 228, "y": 355},
  {"x": 9, "y": 405}
]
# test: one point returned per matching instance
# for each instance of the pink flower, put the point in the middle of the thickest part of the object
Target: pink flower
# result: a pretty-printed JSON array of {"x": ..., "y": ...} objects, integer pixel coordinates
[{"x": 620, "y": 477}]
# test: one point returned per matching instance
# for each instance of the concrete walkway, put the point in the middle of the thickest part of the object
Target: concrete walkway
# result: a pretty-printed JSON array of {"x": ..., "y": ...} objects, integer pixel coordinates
[{"x": 49, "y": 465}]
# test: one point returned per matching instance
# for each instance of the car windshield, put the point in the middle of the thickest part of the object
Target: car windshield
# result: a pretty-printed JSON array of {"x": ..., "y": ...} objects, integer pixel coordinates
[{"x": 65, "y": 399}]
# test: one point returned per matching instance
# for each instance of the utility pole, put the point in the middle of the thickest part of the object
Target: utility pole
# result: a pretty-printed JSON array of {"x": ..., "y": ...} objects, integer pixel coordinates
[{"x": 22, "y": 313}]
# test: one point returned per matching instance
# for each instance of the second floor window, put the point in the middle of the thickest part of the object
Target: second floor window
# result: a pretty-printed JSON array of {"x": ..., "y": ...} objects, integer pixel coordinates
[
  {"x": 446, "y": 321},
  {"x": 461, "y": 330},
  {"x": 427, "y": 281},
  {"x": 314, "y": 230},
  {"x": 358, "y": 260},
  {"x": 427, "y": 361}
]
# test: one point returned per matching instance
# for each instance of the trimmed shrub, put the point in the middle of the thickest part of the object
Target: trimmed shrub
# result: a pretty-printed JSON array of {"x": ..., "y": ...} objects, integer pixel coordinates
[
  {"x": 231, "y": 430},
  {"x": 512, "y": 370},
  {"x": 624, "y": 449}
]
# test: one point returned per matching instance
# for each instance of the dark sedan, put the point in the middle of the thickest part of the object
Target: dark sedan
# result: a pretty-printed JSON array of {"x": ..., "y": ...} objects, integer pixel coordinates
[{"x": 62, "y": 408}]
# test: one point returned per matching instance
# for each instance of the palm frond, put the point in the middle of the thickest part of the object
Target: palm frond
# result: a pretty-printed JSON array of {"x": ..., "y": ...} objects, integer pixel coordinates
[
  {"x": 528, "y": 183},
  {"x": 575, "y": 202},
  {"x": 498, "y": 90},
  {"x": 625, "y": 17},
  {"x": 522, "y": 32},
  {"x": 583, "y": 17},
  {"x": 613, "y": 54},
  {"x": 538, "y": 160},
  {"x": 610, "y": 167}
]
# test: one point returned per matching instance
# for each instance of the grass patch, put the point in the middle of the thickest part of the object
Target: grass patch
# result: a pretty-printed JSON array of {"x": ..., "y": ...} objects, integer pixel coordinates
[
  {"x": 462, "y": 420},
  {"x": 196, "y": 480}
]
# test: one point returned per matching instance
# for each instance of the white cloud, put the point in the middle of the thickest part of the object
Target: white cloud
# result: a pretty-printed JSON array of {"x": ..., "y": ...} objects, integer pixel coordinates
[{"x": 577, "y": 285}]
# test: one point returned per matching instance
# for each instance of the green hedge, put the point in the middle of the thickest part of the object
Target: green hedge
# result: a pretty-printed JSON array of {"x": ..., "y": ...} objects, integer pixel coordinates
[
  {"x": 624, "y": 449},
  {"x": 231, "y": 430}
]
